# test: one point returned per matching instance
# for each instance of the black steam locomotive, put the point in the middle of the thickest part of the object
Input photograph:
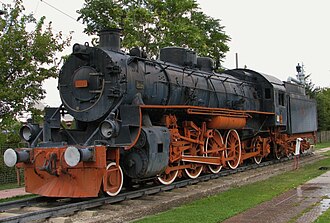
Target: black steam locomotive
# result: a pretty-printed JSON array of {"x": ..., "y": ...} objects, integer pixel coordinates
[{"x": 140, "y": 119}]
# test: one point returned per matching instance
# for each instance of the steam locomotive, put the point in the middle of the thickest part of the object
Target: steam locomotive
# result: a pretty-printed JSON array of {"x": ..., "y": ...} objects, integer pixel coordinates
[{"x": 138, "y": 119}]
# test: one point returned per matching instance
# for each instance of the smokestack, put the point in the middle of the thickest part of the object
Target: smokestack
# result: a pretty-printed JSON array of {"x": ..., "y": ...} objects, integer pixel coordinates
[{"x": 110, "y": 39}]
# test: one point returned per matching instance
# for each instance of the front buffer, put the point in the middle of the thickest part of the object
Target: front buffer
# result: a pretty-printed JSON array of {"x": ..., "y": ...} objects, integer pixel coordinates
[{"x": 70, "y": 171}]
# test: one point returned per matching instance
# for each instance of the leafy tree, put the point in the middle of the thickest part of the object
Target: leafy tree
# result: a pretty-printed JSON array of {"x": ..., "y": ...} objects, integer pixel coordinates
[
  {"x": 310, "y": 88},
  {"x": 153, "y": 24},
  {"x": 323, "y": 109},
  {"x": 10, "y": 136},
  {"x": 28, "y": 50}
]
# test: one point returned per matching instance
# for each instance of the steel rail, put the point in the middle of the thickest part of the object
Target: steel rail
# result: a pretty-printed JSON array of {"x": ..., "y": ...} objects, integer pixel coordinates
[
  {"x": 20, "y": 203},
  {"x": 71, "y": 208}
]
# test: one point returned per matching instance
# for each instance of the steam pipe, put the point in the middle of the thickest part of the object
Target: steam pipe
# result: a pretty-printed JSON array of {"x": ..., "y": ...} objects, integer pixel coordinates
[{"x": 291, "y": 79}]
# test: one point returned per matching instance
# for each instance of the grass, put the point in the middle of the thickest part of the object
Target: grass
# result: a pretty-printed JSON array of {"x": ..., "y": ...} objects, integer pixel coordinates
[
  {"x": 324, "y": 218},
  {"x": 9, "y": 186},
  {"x": 229, "y": 203},
  {"x": 308, "y": 209},
  {"x": 322, "y": 145},
  {"x": 17, "y": 198},
  {"x": 12, "y": 186}
]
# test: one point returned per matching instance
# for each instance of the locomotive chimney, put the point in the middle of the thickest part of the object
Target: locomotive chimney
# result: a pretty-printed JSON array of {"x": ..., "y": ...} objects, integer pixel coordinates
[{"x": 110, "y": 38}]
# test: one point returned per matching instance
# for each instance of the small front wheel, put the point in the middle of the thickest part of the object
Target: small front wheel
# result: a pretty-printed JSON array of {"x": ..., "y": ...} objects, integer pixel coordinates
[{"x": 113, "y": 179}]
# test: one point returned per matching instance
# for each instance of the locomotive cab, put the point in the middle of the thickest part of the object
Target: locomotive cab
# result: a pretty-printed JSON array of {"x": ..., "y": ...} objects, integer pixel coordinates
[{"x": 274, "y": 100}]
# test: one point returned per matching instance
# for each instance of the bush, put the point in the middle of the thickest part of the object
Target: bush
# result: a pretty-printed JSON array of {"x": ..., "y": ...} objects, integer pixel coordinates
[{"x": 8, "y": 174}]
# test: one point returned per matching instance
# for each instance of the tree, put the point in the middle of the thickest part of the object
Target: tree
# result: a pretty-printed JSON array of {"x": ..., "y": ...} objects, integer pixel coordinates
[
  {"x": 153, "y": 24},
  {"x": 310, "y": 88},
  {"x": 26, "y": 59},
  {"x": 323, "y": 109}
]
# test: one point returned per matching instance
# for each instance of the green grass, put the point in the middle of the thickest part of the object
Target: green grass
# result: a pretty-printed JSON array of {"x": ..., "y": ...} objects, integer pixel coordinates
[
  {"x": 12, "y": 186},
  {"x": 306, "y": 210},
  {"x": 322, "y": 145},
  {"x": 9, "y": 186},
  {"x": 17, "y": 198},
  {"x": 229, "y": 203},
  {"x": 324, "y": 218}
]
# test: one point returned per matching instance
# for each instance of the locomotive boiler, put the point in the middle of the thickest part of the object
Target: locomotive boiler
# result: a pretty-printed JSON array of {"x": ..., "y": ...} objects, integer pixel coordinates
[{"x": 138, "y": 119}]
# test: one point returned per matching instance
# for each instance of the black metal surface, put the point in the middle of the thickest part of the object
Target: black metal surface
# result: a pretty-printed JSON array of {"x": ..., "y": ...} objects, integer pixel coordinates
[
  {"x": 303, "y": 116},
  {"x": 151, "y": 157}
]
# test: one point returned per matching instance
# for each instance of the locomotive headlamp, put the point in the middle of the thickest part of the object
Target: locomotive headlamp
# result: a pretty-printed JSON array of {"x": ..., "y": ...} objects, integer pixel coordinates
[
  {"x": 73, "y": 155},
  {"x": 29, "y": 132},
  {"x": 109, "y": 128},
  {"x": 12, "y": 157}
]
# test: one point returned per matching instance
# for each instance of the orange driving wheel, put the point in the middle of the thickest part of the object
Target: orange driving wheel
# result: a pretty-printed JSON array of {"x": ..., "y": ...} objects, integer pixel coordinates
[
  {"x": 233, "y": 149},
  {"x": 168, "y": 176},
  {"x": 256, "y": 146},
  {"x": 212, "y": 145}
]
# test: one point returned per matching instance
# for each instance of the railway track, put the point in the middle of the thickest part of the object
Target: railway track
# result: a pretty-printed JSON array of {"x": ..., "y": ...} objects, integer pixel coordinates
[{"x": 41, "y": 208}]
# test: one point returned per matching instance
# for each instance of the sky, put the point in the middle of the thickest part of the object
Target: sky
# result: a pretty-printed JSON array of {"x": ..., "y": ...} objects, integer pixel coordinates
[{"x": 271, "y": 36}]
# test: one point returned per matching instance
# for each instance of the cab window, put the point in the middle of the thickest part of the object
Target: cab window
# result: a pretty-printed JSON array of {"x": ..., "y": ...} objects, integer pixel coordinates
[
  {"x": 281, "y": 98},
  {"x": 267, "y": 93}
]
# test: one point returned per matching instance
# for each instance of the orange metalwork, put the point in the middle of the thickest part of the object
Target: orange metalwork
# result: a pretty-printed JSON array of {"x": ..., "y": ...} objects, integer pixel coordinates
[
  {"x": 233, "y": 150},
  {"x": 202, "y": 159},
  {"x": 214, "y": 147},
  {"x": 285, "y": 144},
  {"x": 223, "y": 122},
  {"x": 169, "y": 175},
  {"x": 197, "y": 145},
  {"x": 262, "y": 147},
  {"x": 113, "y": 178},
  {"x": 47, "y": 174},
  {"x": 138, "y": 133}
]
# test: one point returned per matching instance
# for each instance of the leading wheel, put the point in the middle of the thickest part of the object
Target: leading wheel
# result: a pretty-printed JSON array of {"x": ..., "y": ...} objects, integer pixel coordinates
[
  {"x": 233, "y": 149},
  {"x": 214, "y": 143},
  {"x": 113, "y": 180}
]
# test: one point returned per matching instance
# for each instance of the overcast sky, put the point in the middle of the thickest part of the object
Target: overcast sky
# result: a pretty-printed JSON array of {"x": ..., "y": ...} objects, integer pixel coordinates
[{"x": 269, "y": 36}]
